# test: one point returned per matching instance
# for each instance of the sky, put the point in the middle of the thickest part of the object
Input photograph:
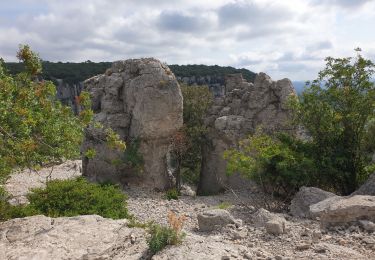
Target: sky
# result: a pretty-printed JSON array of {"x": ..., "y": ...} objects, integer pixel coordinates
[{"x": 285, "y": 39}]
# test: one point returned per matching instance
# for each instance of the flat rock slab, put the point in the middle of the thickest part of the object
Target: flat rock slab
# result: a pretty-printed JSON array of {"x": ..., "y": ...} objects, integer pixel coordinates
[
  {"x": 196, "y": 247},
  {"x": 82, "y": 237},
  {"x": 336, "y": 210}
]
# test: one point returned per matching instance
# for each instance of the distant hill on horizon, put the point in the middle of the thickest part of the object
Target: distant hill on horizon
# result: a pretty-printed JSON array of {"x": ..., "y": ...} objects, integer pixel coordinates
[{"x": 72, "y": 72}]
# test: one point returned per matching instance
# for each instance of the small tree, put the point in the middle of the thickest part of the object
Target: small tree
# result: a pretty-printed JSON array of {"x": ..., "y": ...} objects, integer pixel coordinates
[
  {"x": 35, "y": 128},
  {"x": 197, "y": 100},
  {"x": 336, "y": 110}
]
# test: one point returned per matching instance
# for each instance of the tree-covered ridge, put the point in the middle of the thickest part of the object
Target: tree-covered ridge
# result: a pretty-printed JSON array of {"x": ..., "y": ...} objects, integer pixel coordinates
[
  {"x": 77, "y": 72},
  {"x": 214, "y": 70},
  {"x": 68, "y": 71}
]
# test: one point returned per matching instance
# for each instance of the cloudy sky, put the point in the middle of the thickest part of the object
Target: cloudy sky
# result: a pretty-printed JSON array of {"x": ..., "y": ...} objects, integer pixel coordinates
[{"x": 282, "y": 38}]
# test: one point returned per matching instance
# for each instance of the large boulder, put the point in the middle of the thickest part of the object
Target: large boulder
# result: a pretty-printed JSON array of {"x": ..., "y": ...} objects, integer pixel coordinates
[
  {"x": 304, "y": 198},
  {"x": 232, "y": 117},
  {"x": 368, "y": 188},
  {"x": 342, "y": 210},
  {"x": 215, "y": 219},
  {"x": 141, "y": 100},
  {"x": 273, "y": 223},
  {"x": 82, "y": 237}
]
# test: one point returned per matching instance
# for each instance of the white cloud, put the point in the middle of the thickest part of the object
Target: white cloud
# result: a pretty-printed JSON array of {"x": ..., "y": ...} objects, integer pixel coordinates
[{"x": 284, "y": 38}]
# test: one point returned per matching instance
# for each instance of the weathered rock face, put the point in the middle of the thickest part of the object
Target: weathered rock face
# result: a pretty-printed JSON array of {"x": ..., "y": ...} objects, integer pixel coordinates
[
  {"x": 141, "y": 100},
  {"x": 82, "y": 237},
  {"x": 342, "y": 210},
  {"x": 232, "y": 117},
  {"x": 304, "y": 198},
  {"x": 368, "y": 188}
]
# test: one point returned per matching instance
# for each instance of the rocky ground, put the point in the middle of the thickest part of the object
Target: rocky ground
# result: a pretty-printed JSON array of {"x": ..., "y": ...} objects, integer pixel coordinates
[{"x": 302, "y": 239}]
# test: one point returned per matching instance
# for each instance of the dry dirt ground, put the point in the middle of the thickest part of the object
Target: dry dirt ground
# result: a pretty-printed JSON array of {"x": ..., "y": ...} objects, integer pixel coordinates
[{"x": 304, "y": 238}]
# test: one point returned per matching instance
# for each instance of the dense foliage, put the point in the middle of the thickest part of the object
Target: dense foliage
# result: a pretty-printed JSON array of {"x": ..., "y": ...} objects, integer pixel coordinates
[
  {"x": 34, "y": 128},
  {"x": 280, "y": 164},
  {"x": 70, "y": 198},
  {"x": 79, "y": 197},
  {"x": 70, "y": 72},
  {"x": 337, "y": 111},
  {"x": 197, "y": 100},
  {"x": 204, "y": 70}
]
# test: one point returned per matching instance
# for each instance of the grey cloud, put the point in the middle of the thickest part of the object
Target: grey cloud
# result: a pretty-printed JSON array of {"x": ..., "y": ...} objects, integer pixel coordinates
[
  {"x": 322, "y": 45},
  {"x": 179, "y": 22},
  {"x": 251, "y": 14},
  {"x": 341, "y": 3}
]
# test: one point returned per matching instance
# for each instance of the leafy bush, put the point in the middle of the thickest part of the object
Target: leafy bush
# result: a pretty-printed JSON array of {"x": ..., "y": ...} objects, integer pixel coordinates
[
  {"x": 79, "y": 197},
  {"x": 8, "y": 211},
  {"x": 35, "y": 128},
  {"x": 280, "y": 164},
  {"x": 161, "y": 236},
  {"x": 337, "y": 109},
  {"x": 172, "y": 194}
]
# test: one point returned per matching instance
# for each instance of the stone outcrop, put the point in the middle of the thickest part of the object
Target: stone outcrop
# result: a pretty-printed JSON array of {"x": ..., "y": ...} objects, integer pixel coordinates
[
  {"x": 244, "y": 107},
  {"x": 141, "y": 100},
  {"x": 304, "y": 198},
  {"x": 67, "y": 93},
  {"x": 368, "y": 188},
  {"x": 343, "y": 210},
  {"x": 82, "y": 237}
]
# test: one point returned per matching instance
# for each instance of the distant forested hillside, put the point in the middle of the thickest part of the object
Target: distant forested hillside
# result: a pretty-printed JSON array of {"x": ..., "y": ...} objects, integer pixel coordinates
[
  {"x": 204, "y": 70},
  {"x": 78, "y": 72},
  {"x": 70, "y": 72}
]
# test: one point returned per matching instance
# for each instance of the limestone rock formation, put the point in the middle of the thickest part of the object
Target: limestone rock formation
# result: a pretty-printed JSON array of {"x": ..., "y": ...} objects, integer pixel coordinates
[
  {"x": 141, "y": 100},
  {"x": 82, "y": 237},
  {"x": 342, "y": 210},
  {"x": 304, "y": 198},
  {"x": 244, "y": 107}
]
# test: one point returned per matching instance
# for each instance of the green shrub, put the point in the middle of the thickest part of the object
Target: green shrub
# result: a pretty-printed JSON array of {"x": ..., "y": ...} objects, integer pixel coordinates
[
  {"x": 279, "y": 164},
  {"x": 79, "y": 197},
  {"x": 161, "y": 236},
  {"x": 337, "y": 110},
  {"x": 8, "y": 211},
  {"x": 172, "y": 194}
]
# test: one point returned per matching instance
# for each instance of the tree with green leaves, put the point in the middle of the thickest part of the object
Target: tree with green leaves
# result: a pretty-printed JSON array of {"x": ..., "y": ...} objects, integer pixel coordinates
[
  {"x": 35, "y": 129},
  {"x": 337, "y": 112},
  {"x": 197, "y": 100}
]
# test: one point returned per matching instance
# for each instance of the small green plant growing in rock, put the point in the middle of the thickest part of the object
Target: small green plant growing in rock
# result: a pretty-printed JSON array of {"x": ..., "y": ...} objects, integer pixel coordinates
[
  {"x": 161, "y": 236},
  {"x": 224, "y": 205},
  {"x": 132, "y": 157},
  {"x": 172, "y": 194}
]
